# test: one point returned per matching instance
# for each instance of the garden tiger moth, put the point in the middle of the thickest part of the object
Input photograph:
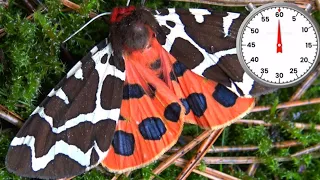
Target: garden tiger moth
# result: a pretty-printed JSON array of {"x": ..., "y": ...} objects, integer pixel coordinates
[{"x": 125, "y": 103}]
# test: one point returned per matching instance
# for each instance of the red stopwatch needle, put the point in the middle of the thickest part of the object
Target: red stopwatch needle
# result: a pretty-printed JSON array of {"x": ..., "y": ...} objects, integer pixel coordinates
[{"x": 279, "y": 43}]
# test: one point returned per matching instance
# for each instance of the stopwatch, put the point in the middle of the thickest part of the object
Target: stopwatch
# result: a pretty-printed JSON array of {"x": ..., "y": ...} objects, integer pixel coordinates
[{"x": 278, "y": 44}]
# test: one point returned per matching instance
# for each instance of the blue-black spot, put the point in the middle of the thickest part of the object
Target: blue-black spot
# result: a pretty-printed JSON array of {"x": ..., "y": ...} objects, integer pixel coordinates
[
  {"x": 156, "y": 64},
  {"x": 132, "y": 91},
  {"x": 172, "y": 112},
  {"x": 179, "y": 69},
  {"x": 186, "y": 105},
  {"x": 197, "y": 103},
  {"x": 224, "y": 96},
  {"x": 152, "y": 128},
  {"x": 123, "y": 143}
]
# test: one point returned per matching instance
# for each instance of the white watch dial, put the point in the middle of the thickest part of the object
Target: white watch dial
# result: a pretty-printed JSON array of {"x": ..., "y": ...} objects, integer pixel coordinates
[{"x": 279, "y": 45}]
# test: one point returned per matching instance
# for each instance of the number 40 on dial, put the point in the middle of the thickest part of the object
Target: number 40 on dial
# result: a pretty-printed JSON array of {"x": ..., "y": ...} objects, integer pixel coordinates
[{"x": 278, "y": 44}]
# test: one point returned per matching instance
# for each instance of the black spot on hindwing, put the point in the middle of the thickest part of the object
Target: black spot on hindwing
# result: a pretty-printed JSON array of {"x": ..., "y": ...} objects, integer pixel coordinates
[
  {"x": 224, "y": 96},
  {"x": 179, "y": 69},
  {"x": 172, "y": 112},
  {"x": 152, "y": 128},
  {"x": 123, "y": 143},
  {"x": 197, "y": 103},
  {"x": 156, "y": 64},
  {"x": 132, "y": 91},
  {"x": 186, "y": 105}
]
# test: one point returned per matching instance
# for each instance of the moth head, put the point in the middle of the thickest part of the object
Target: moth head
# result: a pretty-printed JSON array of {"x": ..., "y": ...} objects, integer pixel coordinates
[
  {"x": 134, "y": 30},
  {"x": 138, "y": 37}
]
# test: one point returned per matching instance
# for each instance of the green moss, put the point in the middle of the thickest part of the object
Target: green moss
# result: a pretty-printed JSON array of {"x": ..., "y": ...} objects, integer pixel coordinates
[{"x": 92, "y": 175}]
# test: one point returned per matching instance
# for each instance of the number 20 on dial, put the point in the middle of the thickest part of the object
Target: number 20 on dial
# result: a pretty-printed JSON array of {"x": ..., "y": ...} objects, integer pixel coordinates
[{"x": 278, "y": 44}]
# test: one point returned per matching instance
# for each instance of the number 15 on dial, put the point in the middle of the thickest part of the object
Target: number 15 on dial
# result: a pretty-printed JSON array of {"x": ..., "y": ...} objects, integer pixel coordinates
[{"x": 278, "y": 44}]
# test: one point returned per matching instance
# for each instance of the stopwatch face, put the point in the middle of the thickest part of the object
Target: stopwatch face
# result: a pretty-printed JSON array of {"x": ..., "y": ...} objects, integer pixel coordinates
[{"x": 278, "y": 44}]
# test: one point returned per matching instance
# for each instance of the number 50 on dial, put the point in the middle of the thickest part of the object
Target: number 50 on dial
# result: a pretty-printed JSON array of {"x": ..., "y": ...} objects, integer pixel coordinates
[{"x": 278, "y": 44}]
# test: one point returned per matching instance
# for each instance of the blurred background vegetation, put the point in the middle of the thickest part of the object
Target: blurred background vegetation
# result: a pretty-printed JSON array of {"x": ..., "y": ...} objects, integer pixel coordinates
[{"x": 31, "y": 63}]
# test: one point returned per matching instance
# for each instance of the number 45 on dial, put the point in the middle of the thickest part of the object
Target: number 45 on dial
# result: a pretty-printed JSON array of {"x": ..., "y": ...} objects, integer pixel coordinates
[{"x": 278, "y": 44}]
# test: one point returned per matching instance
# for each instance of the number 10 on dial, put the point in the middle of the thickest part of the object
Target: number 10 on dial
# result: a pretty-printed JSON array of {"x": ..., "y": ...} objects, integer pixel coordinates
[{"x": 278, "y": 44}]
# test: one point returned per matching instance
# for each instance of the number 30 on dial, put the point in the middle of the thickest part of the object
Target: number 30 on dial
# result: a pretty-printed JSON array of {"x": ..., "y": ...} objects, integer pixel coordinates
[{"x": 278, "y": 44}]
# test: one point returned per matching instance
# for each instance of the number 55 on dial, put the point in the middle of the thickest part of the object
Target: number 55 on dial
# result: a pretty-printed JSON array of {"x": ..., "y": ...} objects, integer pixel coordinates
[{"x": 278, "y": 44}]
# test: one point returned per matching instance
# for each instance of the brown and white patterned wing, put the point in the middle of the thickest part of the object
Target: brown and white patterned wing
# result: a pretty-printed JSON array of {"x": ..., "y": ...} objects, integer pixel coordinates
[{"x": 71, "y": 130}]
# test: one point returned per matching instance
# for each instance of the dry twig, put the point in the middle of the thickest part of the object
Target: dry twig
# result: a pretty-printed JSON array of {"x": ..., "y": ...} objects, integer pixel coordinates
[
  {"x": 287, "y": 105},
  {"x": 75, "y": 7},
  {"x": 263, "y": 123},
  {"x": 11, "y": 117},
  {"x": 228, "y": 149},
  {"x": 246, "y": 159},
  {"x": 307, "y": 150},
  {"x": 300, "y": 3},
  {"x": 205, "y": 146},
  {"x": 181, "y": 152},
  {"x": 214, "y": 174},
  {"x": 252, "y": 169}
]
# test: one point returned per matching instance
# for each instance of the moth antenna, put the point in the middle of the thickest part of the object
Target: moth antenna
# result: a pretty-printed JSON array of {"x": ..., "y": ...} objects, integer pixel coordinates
[
  {"x": 85, "y": 25},
  {"x": 128, "y": 2}
]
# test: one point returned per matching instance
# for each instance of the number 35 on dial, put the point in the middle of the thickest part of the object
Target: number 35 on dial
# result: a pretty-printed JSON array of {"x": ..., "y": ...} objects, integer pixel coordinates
[{"x": 278, "y": 44}]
